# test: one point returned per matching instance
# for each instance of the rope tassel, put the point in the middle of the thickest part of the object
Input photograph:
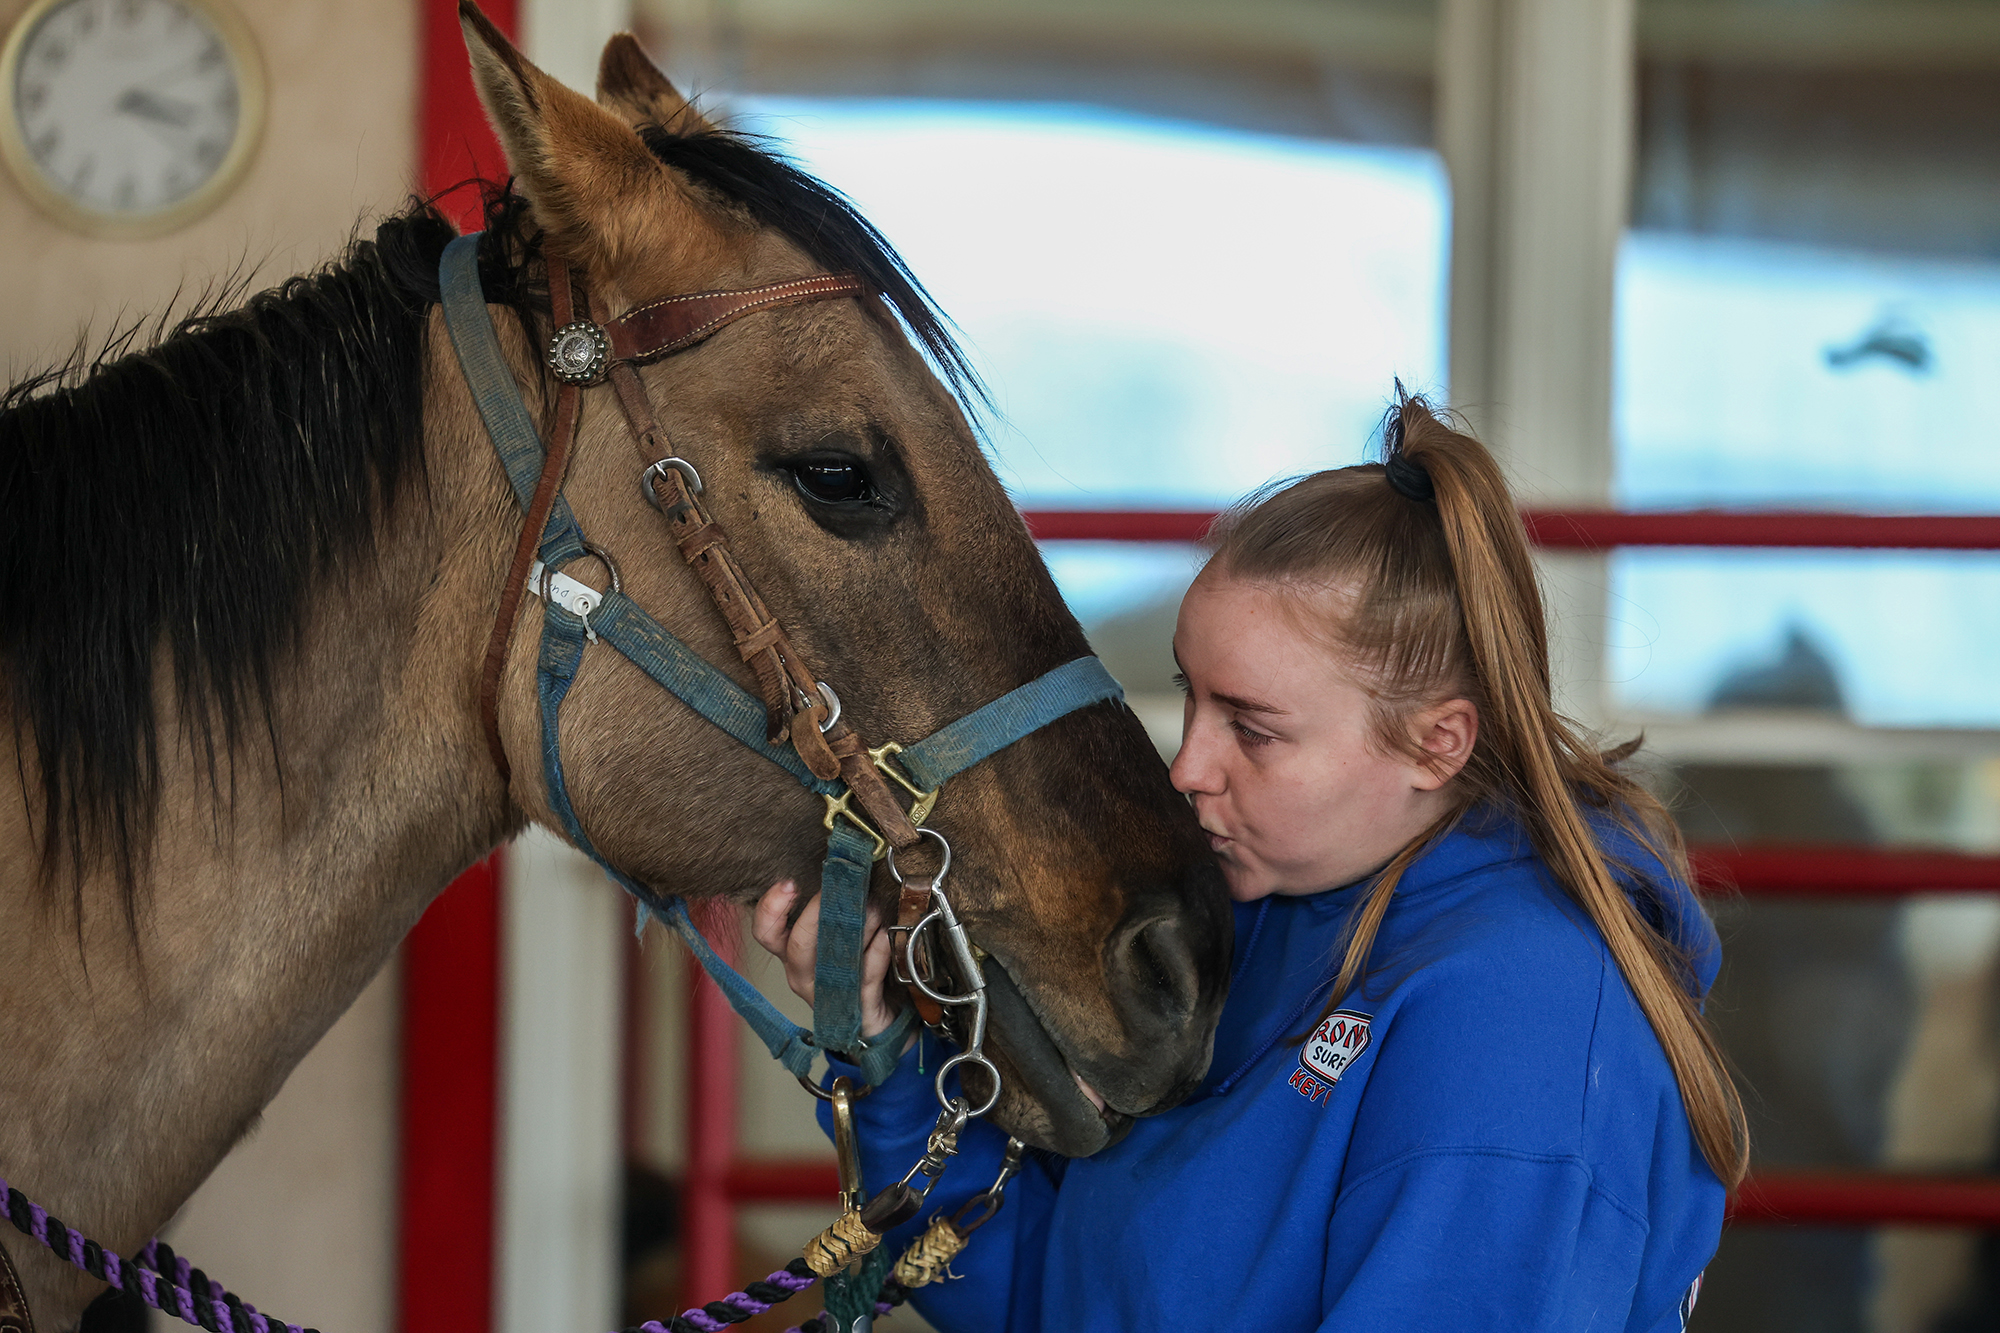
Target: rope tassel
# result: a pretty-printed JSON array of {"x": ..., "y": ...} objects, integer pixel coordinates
[
  {"x": 847, "y": 1240},
  {"x": 931, "y": 1253}
]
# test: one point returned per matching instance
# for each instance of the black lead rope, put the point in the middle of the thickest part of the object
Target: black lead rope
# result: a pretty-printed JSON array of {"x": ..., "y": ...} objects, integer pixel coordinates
[
  {"x": 169, "y": 1284},
  {"x": 156, "y": 1275}
]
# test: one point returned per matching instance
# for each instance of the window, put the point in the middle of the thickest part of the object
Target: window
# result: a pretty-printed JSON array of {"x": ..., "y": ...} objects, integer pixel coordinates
[
  {"x": 1809, "y": 316},
  {"x": 1168, "y": 315}
]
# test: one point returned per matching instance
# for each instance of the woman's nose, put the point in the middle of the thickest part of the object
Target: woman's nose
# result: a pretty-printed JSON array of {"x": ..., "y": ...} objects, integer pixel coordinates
[{"x": 1194, "y": 770}]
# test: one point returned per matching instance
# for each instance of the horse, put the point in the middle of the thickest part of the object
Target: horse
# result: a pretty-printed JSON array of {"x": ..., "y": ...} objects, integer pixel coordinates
[{"x": 249, "y": 577}]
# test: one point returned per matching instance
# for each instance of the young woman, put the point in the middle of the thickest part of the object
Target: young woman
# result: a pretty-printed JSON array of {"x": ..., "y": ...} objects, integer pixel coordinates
[{"x": 1462, "y": 1080}]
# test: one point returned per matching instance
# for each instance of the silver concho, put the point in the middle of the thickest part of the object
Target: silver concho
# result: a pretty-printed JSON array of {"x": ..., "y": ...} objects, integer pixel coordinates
[{"x": 579, "y": 352}]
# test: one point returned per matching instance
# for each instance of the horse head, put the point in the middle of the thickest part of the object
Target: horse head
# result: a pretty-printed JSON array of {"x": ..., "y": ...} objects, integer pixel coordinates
[{"x": 856, "y": 500}]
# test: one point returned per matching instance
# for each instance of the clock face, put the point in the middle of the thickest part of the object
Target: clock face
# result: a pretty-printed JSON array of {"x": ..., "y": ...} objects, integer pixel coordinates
[{"x": 129, "y": 115}]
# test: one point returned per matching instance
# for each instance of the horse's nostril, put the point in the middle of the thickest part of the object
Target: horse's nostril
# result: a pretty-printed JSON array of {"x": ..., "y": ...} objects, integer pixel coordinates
[
  {"x": 1166, "y": 965},
  {"x": 1160, "y": 970}
]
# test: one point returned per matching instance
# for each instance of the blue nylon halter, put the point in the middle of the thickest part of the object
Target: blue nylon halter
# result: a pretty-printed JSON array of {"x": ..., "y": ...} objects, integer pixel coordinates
[{"x": 620, "y": 622}]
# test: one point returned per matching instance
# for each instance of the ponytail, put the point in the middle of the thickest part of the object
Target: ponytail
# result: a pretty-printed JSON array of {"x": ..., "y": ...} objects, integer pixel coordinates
[{"x": 1445, "y": 605}]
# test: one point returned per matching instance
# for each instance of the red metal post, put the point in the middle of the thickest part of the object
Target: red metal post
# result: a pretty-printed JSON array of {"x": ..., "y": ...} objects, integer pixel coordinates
[
  {"x": 454, "y": 141},
  {"x": 449, "y": 1110},
  {"x": 635, "y": 1032},
  {"x": 709, "y": 1265},
  {"x": 1119, "y": 525},
  {"x": 450, "y": 1062}
]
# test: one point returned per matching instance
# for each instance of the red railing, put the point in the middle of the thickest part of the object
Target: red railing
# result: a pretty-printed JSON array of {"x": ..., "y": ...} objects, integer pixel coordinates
[
  {"x": 1600, "y": 530},
  {"x": 1773, "y": 871},
  {"x": 1853, "y": 1198},
  {"x": 1783, "y": 1197},
  {"x": 1867, "y": 1199}
]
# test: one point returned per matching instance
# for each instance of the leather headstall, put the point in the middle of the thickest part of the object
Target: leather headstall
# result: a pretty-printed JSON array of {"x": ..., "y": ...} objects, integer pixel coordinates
[
  {"x": 794, "y": 720},
  {"x": 586, "y": 353}
]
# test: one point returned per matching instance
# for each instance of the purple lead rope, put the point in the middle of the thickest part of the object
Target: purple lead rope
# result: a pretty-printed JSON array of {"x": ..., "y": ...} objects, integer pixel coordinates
[
  {"x": 171, "y": 1294},
  {"x": 175, "y": 1293},
  {"x": 784, "y": 1279}
]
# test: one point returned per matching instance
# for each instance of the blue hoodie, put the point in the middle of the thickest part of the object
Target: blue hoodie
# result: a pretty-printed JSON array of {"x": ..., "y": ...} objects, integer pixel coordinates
[{"x": 1487, "y": 1136}]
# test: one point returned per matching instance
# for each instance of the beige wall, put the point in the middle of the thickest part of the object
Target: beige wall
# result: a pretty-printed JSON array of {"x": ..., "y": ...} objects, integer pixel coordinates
[
  {"x": 338, "y": 139},
  {"x": 299, "y": 1220}
]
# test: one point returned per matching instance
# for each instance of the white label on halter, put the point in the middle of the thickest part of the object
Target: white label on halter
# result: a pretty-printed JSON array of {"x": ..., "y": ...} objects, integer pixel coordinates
[{"x": 579, "y": 599}]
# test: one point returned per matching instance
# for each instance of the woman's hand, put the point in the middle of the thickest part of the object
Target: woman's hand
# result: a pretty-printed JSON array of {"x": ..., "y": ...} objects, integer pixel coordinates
[{"x": 797, "y": 945}]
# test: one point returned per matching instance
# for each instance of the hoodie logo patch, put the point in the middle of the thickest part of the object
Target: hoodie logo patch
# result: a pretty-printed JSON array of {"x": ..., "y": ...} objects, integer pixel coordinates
[{"x": 1329, "y": 1052}]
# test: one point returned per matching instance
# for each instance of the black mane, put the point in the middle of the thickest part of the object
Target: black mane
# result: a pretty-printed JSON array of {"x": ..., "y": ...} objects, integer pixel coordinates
[
  {"x": 190, "y": 494},
  {"x": 187, "y": 495},
  {"x": 822, "y": 222}
]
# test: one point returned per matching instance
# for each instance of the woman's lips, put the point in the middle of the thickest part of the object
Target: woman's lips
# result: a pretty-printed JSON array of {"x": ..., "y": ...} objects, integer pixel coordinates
[{"x": 1216, "y": 842}]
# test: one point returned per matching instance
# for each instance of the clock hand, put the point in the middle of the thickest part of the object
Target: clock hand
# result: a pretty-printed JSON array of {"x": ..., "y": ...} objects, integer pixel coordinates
[{"x": 152, "y": 106}]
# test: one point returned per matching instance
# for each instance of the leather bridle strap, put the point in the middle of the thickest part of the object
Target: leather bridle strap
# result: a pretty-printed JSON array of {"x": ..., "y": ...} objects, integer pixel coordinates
[
  {"x": 661, "y": 328},
  {"x": 791, "y": 691},
  {"x": 14, "y": 1316},
  {"x": 554, "y": 465}
]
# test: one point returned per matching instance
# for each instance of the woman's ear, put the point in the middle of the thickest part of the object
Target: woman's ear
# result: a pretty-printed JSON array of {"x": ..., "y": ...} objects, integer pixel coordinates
[{"x": 1446, "y": 733}]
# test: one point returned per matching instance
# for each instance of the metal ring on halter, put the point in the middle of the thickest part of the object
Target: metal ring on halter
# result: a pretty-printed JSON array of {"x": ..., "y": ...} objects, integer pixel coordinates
[
  {"x": 970, "y": 1057},
  {"x": 897, "y": 875},
  {"x": 916, "y": 977},
  {"x": 680, "y": 465},
  {"x": 603, "y": 557},
  {"x": 832, "y": 705}
]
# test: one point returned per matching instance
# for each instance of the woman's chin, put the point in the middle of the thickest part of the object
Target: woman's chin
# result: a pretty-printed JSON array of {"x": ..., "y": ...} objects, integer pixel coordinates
[{"x": 1244, "y": 884}]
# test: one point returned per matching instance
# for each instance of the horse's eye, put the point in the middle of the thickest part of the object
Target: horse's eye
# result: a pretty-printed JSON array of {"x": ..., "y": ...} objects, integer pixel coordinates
[{"x": 833, "y": 482}]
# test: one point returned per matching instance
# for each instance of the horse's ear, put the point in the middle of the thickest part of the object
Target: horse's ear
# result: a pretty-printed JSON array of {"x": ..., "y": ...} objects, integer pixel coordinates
[
  {"x": 629, "y": 83},
  {"x": 592, "y": 184}
]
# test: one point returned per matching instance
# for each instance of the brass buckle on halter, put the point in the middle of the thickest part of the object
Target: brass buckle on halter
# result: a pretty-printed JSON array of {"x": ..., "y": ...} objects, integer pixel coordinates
[{"x": 837, "y": 807}]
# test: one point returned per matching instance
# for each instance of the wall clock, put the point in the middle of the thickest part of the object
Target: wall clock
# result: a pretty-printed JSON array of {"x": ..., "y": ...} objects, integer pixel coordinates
[{"x": 127, "y": 118}]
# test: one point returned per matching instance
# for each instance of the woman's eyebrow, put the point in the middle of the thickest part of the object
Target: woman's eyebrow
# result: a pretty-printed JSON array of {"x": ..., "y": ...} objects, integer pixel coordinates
[
  {"x": 1236, "y": 701},
  {"x": 1243, "y": 705}
]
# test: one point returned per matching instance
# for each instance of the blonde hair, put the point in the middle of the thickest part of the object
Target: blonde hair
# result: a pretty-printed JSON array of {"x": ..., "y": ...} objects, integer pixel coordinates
[{"x": 1437, "y": 600}]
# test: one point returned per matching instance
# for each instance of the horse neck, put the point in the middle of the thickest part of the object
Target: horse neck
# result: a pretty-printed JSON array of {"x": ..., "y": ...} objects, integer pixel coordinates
[{"x": 128, "y": 1067}]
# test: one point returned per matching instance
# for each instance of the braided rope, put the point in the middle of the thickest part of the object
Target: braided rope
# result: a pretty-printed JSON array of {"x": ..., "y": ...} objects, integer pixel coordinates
[
  {"x": 737, "y": 1306},
  {"x": 156, "y": 1275},
  {"x": 171, "y": 1285}
]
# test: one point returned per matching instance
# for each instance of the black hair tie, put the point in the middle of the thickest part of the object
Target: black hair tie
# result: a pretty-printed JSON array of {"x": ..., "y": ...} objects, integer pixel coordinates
[{"x": 1409, "y": 478}]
